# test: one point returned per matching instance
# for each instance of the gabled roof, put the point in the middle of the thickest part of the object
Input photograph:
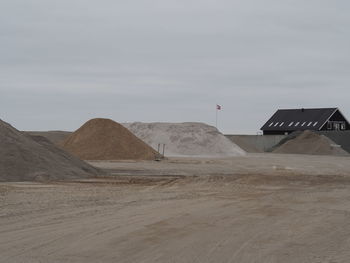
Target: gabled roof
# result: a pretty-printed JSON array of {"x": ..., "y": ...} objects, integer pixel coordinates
[{"x": 299, "y": 119}]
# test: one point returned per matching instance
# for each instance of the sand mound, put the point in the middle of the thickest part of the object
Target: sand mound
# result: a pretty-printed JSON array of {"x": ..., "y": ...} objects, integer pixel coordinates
[
  {"x": 309, "y": 142},
  {"x": 104, "y": 139},
  {"x": 56, "y": 137},
  {"x": 26, "y": 158},
  {"x": 185, "y": 139}
]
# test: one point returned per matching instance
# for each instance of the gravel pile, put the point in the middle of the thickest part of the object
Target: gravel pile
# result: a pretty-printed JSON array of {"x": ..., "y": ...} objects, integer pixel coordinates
[
  {"x": 29, "y": 158},
  {"x": 309, "y": 142}
]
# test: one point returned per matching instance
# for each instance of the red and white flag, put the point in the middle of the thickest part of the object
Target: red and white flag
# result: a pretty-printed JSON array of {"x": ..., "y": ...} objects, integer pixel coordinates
[{"x": 218, "y": 107}]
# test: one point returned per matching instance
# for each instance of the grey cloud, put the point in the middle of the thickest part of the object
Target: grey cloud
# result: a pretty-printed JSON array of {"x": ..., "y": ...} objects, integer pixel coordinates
[{"x": 150, "y": 60}]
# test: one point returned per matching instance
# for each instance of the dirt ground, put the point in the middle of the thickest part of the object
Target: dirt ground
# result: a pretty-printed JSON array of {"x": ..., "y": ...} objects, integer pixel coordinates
[{"x": 257, "y": 208}]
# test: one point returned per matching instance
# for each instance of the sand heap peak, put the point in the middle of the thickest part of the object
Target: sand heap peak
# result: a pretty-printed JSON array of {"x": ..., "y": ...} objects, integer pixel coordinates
[
  {"x": 26, "y": 158},
  {"x": 309, "y": 142},
  {"x": 105, "y": 139}
]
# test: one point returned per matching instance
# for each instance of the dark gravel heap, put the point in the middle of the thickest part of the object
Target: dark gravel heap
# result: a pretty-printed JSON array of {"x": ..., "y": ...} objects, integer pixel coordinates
[{"x": 32, "y": 158}]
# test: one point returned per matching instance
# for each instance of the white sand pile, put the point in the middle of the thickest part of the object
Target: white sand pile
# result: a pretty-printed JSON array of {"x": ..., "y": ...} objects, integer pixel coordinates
[{"x": 185, "y": 139}]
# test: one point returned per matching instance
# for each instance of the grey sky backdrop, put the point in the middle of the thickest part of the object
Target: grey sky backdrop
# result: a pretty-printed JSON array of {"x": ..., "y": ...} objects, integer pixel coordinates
[{"x": 64, "y": 62}]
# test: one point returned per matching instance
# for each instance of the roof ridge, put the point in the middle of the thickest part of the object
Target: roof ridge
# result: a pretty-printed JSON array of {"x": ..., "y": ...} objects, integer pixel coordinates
[
  {"x": 330, "y": 108},
  {"x": 299, "y": 119}
]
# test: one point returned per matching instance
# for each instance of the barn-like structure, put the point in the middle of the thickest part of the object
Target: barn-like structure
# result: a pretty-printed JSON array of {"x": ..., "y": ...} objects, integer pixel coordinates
[{"x": 286, "y": 121}]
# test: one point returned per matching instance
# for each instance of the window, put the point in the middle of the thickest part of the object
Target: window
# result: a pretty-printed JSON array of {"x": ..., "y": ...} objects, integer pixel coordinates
[
  {"x": 309, "y": 123},
  {"x": 276, "y": 124},
  {"x": 336, "y": 125},
  {"x": 297, "y": 124},
  {"x": 290, "y": 124},
  {"x": 303, "y": 123},
  {"x": 329, "y": 125},
  {"x": 271, "y": 124},
  {"x": 281, "y": 124},
  {"x": 315, "y": 123}
]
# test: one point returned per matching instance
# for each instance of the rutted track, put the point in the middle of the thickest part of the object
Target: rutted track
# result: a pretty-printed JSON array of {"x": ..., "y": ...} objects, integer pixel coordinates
[{"x": 242, "y": 218}]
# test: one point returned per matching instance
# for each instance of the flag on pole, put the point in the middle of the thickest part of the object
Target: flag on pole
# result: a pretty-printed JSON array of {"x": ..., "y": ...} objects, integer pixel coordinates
[{"x": 218, "y": 107}]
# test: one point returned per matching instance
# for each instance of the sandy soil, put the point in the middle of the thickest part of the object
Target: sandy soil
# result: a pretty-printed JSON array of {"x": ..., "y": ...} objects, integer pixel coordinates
[{"x": 259, "y": 208}]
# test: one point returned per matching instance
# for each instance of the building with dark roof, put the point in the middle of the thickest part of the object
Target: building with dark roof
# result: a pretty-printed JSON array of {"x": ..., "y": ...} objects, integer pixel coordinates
[{"x": 286, "y": 121}]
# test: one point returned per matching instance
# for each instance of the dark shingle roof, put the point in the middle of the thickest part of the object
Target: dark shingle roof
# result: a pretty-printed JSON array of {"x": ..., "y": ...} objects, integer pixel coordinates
[{"x": 298, "y": 119}]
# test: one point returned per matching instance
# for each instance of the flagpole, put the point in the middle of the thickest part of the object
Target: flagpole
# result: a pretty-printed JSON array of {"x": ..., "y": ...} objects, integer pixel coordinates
[{"x": 218, "y": 107}]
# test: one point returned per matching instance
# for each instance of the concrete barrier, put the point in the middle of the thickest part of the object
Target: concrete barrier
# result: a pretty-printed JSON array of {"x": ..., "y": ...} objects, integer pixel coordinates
[
  {"x": 263, "y": 143},
  {"x": 341, "y": 138},
  {"x": 256, "y": 143}
]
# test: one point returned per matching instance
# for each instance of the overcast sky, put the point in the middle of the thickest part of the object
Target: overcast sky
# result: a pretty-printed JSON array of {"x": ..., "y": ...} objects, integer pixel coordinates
[{"x": 63, "y": 62}]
